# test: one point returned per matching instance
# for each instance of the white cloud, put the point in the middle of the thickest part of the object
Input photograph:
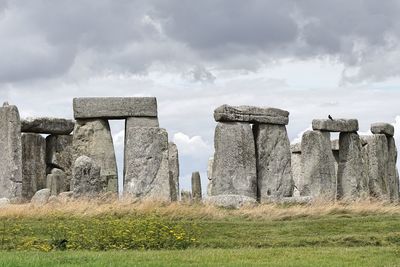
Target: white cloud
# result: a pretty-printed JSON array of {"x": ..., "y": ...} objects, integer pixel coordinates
[
  {"x": 297, "y": 139},
  {"x": 194, "y": 146}
]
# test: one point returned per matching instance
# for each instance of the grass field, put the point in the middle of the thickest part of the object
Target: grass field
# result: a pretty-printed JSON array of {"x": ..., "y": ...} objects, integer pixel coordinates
[{"x": 360, "y": 234}]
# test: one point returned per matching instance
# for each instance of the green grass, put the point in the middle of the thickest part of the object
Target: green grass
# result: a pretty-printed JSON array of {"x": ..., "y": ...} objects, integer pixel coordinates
[{"x": 306, "y": 256}]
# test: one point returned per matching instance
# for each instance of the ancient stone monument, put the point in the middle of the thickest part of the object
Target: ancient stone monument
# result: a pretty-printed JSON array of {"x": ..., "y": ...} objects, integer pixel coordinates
[{"x": 196, "y": 186}]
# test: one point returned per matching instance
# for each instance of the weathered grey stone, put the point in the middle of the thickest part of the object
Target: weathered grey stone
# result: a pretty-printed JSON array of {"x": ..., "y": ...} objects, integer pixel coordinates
[
  {"x": 47, "y": 125},
  {"x": 146, "y": 173},
  {"x": 226, "y": 113},
  {"x": 86, "y": 178},
  {"x": 393, "y": 181},
  {"x": 296, "y": 172},
  {"x": 33, "y": 164},
  {"x": 57, "y": 181},
  {"x": 11, "y": 155},
  {"x": 59, "y": 155},
  {"x": 65, "y": 197},
  {"x": 54, "y": 200},
  {"x": 114, "y": 107},
  {"x": 350, "y": 170},
  {"x": 337, "y": 125},
  {"x": 209, "y": 175},
  {"x": 196, "y": 186},
  {"x": 234, "y": 169},
  {"x": 382, "y": 128},
  {"x": 41, "y": 197},
  {"x": 186, "y": 196},
  {"x": 143, "y": 121},
  {"x": 274, "y": 173},
  {"x": 4, "y": 202},
  {"x": 173, "y": 162},
  {"x": 93, "y": 139},
  {"x": 335, "y": 145},
  {"x": 231, "y": 201},
  {"x": 378, "y": 166},
  {"x": 364, "y": 185},
  {"x": 317, "y": 164},
  {"x": 295, "y": 148},
  {"x": 292, "y": 200}
]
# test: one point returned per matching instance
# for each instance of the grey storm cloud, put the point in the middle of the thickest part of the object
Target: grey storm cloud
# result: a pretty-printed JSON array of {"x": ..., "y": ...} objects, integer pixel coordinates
[{"x": 44, "y": 39}]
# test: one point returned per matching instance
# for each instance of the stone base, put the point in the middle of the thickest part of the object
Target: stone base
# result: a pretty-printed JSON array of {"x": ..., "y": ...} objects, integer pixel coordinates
[{"x": 230, "y": 201}]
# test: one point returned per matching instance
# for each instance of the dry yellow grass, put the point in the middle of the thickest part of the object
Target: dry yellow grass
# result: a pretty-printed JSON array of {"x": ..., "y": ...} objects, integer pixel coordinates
[{"x": 97, "y": 207}]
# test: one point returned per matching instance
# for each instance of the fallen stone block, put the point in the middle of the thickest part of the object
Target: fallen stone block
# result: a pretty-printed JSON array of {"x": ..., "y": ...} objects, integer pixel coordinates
[
  {"x": 41, "y": 197},
  {"x": 231, "y": 201},
  {"x": 47, "y": 125},
  {"x": 382, "y": 128},
  {"x": 226, "y": 113},
  {"x": 114, "y": 107},
  {"x": 234, "y": 167},
  {"x": 337, "y": 125}
]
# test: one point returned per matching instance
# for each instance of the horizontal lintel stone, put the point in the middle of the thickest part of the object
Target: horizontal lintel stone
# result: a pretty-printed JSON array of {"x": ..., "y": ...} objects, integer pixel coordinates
[
  {"x": 382, "y": 128},
  {"x": 336, "y": 125},
  {"x": 114, "y": 107},
  {"x": 251, "y": 114},
  {"x": 47, "y": 125}
]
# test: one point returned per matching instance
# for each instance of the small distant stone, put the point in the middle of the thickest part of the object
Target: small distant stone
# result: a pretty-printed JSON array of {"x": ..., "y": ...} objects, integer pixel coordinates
[{"x": 382, "y": 128}]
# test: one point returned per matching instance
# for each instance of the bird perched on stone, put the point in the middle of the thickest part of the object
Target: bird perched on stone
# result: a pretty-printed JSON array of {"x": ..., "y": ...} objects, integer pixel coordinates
[{"x": 330, "y": 117}]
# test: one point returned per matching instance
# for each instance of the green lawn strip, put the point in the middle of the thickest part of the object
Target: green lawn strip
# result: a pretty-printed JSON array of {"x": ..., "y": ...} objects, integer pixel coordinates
[{"x": 303, "y": 256}]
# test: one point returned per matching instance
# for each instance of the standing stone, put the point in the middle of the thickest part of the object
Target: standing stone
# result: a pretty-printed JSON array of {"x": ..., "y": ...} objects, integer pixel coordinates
[
  {"x": 234, "y": 169},
  {"x": 57, "y": 182},
  {"x": 196, "y": 186},
  {"x": 364, "y": 185},
  {"x": 86, "y": 178},
  {"x": 59, "y": 155},
  {"x": 378, "y": 166},
  {"x": 393, "y": 181},
  {"x": 209, "y": 175},
  {"x": 173, "y": 162},
  {"x": 350, "y": 169},
  {"x": 146, "y": 173},
  {"x": 296, "y": 168},
  {"x": 92, "y": 138},
  {"x": 274, "y": 174},
  {"x": 33, "y": 164},
  {"x": 11, "y": 155},
  {"x": 317, "y": 164}
]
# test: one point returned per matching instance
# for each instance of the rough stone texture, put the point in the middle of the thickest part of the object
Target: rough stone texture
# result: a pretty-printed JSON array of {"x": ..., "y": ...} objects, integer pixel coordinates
[
  {"x": 274, "y": 173},
  {"x": 226, "y": 113},
  {"x": 382, "y": 128},
  {"x": 378, "y": 166},
  {"x": 173, "y": 162},
  {"x": 146, "y": 173},
  {"x": 209, "y": 175},
  {"x": 143, "y": 121},
  {"x": 393, "y": 181},
  {"x": 234, "y": 169},
  {"x": 186, "y": 196},
  {"x": 65, "y": 197},
  {"x": 296, "y": 172},
  {"x": 364, "y": 185},
  {"x": 295, "y": 148},
  {"x": 33, "y": 164},
  {"x": 294, "y": 200},
  {"x": 86, "y": 178},
  {"x": 350, "y": 171},
  {"x": 196, "y": 186},
  {"x": 335, "y": 145},
  {"x": 47, "y": 125},
  {"x": 92, "y": 138},
  {"x": 231, "y": 201},
  {"x": 114, "y": 107},
  {"x": 56, "y": 181},
  {"x": 4, "y": 202},
  {"x": 337, "y": 125},
  {"x": 41, "y": 197},
  {"x": 11, "y": 155},
  {"x": 317, "y": 164},
  {"x": 59, "y": 155}
]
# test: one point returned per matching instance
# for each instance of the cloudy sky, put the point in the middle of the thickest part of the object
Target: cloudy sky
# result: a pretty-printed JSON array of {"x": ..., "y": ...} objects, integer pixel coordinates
[{"x": 310, "y": 57}]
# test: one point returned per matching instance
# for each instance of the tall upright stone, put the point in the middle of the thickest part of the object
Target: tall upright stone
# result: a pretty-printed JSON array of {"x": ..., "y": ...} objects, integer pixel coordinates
[
  {"x": 11, "y": 155},
  {"x": 209, "y": 175},
  {"x": 59, "y": 155},
  {"x": 318, "y": 166},
  {"x": 92, "y": 138},
  {"x": 364, "y": 186},
  {"x": 234, "y": 168},
  {"x": 296, "y": 168},
  {"x": 350, "y": 170},
  {"x": 57, "y": 182},
  {"x": 196, "y": 186},
  {"x": 86, "y": 178},
  {"x": 274, "y": 174},
  {"x": 173, "y": 162},
  {"x": 393, "y": 179},
  {"x": 33, "y": 164},
  {"x": 146, "y": 173},
  {"x": 378, "y": 166}
]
